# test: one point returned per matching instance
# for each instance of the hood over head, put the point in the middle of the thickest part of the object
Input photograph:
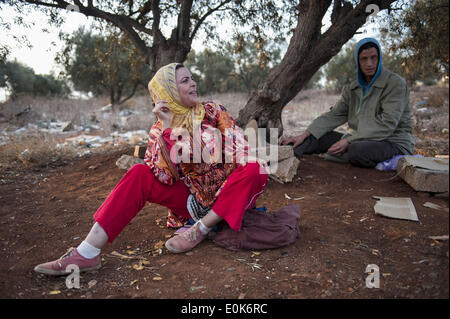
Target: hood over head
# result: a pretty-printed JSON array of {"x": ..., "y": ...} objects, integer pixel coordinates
[
  {"x": 361, "y": 81},
  {"x": 163, "y": 87}
]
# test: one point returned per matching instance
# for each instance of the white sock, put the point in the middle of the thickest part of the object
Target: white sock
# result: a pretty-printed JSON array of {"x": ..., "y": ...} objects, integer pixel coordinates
[
  {"x": 87, "y": 250},
  {"x": 204, "y": 230}
]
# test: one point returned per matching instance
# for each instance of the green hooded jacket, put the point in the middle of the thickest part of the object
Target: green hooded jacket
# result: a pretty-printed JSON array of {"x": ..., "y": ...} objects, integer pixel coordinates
[{"x": 382, "y": 114}]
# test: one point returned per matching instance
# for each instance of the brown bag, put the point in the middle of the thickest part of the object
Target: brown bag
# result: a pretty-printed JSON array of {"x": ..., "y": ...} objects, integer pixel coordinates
[{"x": 261, "y": 230}]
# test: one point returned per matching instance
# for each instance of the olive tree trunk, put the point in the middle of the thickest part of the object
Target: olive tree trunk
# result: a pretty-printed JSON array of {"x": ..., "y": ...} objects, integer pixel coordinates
[{"x": 308, "y": 50}]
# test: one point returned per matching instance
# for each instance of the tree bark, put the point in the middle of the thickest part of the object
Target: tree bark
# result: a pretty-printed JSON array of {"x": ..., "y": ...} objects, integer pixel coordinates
[{"x": 308, "y": 50}]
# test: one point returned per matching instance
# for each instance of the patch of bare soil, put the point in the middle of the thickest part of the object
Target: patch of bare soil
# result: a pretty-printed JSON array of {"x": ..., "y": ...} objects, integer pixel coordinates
[{"x": 46, "y": 211}]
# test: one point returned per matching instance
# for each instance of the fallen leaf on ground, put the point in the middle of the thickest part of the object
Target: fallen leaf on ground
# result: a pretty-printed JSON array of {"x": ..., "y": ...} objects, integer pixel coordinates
[
  {"x": 159, "y": 245},
  {"x": 157, "y": 278},
  {"x": 116, "y": 254},
  {"x": 376, "y": 252},
  {"x": 92, "y": 283},
  {"x": 54, "y": 292},
  {"x": 144, "y": 262},
  {"x": 133, "y": 282},
  {"x": 138, "y": 267}
]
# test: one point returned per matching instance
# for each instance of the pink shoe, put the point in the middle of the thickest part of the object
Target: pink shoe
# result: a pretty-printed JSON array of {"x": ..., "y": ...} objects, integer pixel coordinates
[
  {"x": 71, "y": 257},
  {"x": 186, "y": 240}
]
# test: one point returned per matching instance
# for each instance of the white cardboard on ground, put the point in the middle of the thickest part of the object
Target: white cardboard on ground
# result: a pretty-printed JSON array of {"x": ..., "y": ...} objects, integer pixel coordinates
[{"x": 396, "y": 207}]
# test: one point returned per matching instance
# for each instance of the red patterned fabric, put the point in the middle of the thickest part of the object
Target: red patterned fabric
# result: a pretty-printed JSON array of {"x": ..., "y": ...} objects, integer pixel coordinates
[{"x": 223, "y": 149}]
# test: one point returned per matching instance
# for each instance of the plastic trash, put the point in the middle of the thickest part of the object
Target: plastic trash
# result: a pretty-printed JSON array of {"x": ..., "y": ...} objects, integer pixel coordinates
[{"x": 391, "y": 164}]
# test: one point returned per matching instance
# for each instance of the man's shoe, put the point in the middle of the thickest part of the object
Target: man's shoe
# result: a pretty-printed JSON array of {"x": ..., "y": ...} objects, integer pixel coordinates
[
  {"x": 71, "y": 257},
  {"x": 186, "y": 240}
]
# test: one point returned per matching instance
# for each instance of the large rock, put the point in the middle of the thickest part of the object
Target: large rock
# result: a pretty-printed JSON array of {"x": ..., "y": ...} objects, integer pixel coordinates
[
  {"x": 252, "y": 128},
  {"x": 284, "y": 152},
  {"x": 426, "y": 174},
  {"x": 285, "y": 170},
  {"x": 127, "y": 161}
]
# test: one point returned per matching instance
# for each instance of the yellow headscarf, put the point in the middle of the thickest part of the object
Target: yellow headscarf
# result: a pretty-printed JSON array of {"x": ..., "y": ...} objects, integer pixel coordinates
[{"x": 163, "y": 86}]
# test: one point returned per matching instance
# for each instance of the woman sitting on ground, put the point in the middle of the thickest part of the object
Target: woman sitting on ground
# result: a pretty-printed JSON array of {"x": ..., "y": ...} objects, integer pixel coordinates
[{"x": 206, "y": 185}]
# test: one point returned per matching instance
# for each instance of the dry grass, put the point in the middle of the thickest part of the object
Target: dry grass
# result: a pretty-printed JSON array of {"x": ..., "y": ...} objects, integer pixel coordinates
[
  {"x": 304, "y": 108},
  {"x": 34, "y": 149},
  {"x": 429, "y": 105}
]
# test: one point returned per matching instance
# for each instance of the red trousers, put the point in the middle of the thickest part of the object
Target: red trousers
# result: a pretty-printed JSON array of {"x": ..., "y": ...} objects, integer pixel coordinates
[{"x": 139, "y": 186}]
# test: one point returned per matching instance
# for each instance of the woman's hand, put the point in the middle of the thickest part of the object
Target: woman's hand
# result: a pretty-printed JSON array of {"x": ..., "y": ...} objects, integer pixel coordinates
[
  {"x": 162, "y": 112},
  {"x": 295, "y": 140}
]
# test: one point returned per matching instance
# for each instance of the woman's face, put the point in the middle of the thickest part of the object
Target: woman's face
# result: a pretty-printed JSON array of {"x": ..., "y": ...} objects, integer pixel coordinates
[{"x": 187, "y": 88}]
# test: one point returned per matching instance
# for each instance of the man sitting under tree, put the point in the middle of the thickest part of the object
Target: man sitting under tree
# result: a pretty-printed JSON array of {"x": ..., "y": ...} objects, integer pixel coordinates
[{"x": 376, "y": 108}]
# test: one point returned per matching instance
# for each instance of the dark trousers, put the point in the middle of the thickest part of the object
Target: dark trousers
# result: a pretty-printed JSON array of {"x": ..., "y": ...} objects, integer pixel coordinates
[{"x": 360, "y": 153}]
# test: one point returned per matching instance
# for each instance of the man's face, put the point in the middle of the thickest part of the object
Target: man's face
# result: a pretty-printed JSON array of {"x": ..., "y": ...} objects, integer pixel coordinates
[{"x": 368, "y": 62}]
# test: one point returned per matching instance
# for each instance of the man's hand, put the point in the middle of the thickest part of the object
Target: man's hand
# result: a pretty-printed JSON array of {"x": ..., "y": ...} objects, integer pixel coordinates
[
  {"x": 339, "y": 148},
  {"x": 295, "y": 140},
  {"x": 162, "y": 112}
]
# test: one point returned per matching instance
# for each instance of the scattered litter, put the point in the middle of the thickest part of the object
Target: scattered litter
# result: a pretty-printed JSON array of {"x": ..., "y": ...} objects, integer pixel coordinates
[
  {"x": 393, "y": 207},
  {"x": 115, "y": 138},
  {"x": 253, "y": 265},
  {"x": 116, "y": 254},
  {"x": 54, "y": 292},
  {"x": 391, "y": 164},
  {"x": 435, "y": 206},
  {"x": 288, "y": 197},
  {"x": 192, "y": 288},
  {"x": 443, "y": 238},
  {"x": 157, "y": 278}
]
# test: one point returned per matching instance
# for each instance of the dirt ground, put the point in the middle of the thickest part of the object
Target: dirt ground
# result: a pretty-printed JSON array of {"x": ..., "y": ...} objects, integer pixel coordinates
[{"x": 45, "y": 211}]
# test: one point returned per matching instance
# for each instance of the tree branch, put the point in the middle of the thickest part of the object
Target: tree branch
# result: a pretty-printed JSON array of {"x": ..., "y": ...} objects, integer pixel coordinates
[
  {"x": 156, "y": 20},
  {"x": 131, "y": 94},
  {"x": 207, "y": 14},
  {"x": 184, "y": 21},
  {"x": 123, "y": 22}
]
